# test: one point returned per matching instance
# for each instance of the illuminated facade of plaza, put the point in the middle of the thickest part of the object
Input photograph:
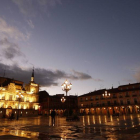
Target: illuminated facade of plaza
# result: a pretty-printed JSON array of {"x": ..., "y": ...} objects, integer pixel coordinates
[
  {"x": 123, "y": 100},
  {"x": 16, "y": 98}
]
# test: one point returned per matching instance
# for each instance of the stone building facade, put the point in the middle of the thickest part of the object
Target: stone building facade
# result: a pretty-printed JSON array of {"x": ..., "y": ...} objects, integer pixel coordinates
[
  {"x": 123, "y": 100},
  {"x": 15, "y": 98}
]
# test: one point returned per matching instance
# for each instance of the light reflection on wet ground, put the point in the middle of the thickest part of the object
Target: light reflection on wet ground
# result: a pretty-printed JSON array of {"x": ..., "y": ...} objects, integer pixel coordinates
[{"x": 89, "y": 127}]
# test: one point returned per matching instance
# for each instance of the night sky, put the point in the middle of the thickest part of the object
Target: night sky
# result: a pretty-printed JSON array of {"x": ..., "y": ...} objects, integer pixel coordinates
[{"x": 94, "y": 44}]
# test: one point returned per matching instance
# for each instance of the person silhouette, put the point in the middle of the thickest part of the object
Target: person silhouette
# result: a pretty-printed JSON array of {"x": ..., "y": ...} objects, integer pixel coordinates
[{"x": 53, "y": 117}]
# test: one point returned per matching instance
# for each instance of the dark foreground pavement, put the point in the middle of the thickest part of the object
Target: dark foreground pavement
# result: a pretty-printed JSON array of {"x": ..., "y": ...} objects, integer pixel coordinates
[{"x": 88, "y": 128}]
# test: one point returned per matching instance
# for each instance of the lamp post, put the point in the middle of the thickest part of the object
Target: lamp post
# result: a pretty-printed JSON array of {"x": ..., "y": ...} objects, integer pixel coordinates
[
  {"x": 19, "y": 96},
  {"x": 106, "y": 95},
  {"x": 63, "y": 99},
  {"x": 66, "y": 87}
]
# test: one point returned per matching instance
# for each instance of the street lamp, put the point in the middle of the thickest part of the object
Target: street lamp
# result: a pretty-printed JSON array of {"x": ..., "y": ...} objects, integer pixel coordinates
[
  {"x": 19, "y": 96},
  {"x": 66, "y": 87},
  {"x": 106, "y": 95},
  {"x": 63, "y": 99}
]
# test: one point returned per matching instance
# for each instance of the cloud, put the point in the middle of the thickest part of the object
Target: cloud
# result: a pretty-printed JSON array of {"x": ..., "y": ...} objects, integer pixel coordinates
[
  {"x": 50, "y": 2},
  {"x": 9, "y": 50},
  {"x": 44, "y": 77},
  {"x": 29, "y": 8},
  {"x": 11, "y": 32},
  {"x": 80, "y": 75},
  {"x": 30, "y": 23},
  {"x": 26, "y": 7},
  {"x": 128, "y": 80},
  {"x": 97, "y": 80},
  {"x": 137, "y": 75}
]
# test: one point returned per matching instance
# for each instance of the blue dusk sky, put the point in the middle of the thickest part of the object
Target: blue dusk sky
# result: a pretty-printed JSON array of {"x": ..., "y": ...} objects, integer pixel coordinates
[{"x": 94, "y": 44}]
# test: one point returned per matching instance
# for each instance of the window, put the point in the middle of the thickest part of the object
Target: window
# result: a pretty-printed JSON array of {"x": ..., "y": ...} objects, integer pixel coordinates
[
  {"x": 81, "y": 105},
  {"x": 120, "y": 95},
  {"x": 3, "y": 97},
  {"x": 91, "y": 104},
  {"x": 114, "y": 96},
  {"x": 115, "y": 102},
  {"x": 97, "y": 98},
  {"x": 86, "y": 98},
  {"x": 135, "y": 101},
  {"x": 103, "y": 104},
  {"x": 97, "y": 103},
  {"x": 121, "y": 102},
  {"x": 10, "y": 97},
  {"x": 134, "y": 94},
  {"x": 128, "y": 101},
  {"x": 22, "y": 99},
  {"x": 27, "y": 99},
  {"x": 108, "y": 102},
  {"x": 127, "y": 94},
  {"x": 91, "y": 98},
  {"x": 81, "y": 99}
]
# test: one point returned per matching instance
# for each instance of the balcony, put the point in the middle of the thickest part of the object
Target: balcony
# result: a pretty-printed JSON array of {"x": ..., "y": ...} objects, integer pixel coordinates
[
  {"x": 134, "y": 95},
  {"x": 127, "y": 96},
  {"x": 120, "y": 96},
  {"x": 114, "y": 97},
  {"x": 135, "y": 102}
]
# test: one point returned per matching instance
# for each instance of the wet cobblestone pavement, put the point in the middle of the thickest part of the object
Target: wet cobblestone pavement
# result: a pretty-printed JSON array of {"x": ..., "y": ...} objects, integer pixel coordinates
[{"x": 88, "y": 128}]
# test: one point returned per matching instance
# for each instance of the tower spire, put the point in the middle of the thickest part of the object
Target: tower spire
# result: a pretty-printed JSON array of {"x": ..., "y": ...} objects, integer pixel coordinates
[{"x": 32, "y": 77}]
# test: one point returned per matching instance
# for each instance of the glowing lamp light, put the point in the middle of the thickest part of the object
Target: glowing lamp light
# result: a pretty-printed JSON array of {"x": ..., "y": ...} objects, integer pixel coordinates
[
  {"x": 63, "y": 99},
  {"x": 66, "y": 86}
]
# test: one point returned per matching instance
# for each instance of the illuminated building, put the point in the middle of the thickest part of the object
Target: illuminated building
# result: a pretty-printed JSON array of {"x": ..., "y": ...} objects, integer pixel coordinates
[
  {"x": 123, "y": 100},
  {"x": 10, "y": 102}
]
